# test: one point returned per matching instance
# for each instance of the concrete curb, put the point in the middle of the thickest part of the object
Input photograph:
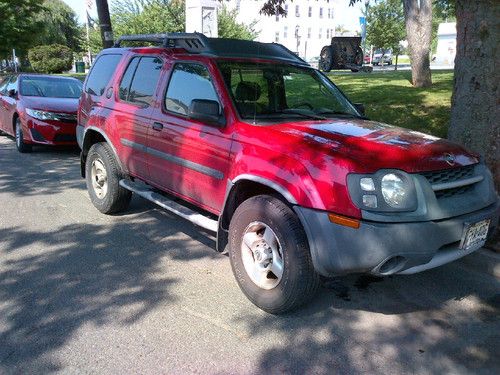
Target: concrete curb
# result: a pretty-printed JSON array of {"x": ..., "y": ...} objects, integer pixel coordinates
[{"x": 485, "y": 261}]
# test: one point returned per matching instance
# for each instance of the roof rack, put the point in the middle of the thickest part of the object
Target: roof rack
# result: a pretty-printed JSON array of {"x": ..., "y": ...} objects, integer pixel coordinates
[
  {"x": 222, "y": 47},
  {"x": 191, "y": 42}
]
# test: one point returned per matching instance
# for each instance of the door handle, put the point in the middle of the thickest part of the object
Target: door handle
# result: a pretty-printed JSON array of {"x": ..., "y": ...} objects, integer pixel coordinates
[{"x": 157, "y": 126}]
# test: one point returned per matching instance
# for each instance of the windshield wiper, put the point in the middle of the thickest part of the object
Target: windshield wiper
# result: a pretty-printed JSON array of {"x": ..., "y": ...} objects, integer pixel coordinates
[
  {"x": 300, "y": 113},
  {"x": 339, "y": 113}
]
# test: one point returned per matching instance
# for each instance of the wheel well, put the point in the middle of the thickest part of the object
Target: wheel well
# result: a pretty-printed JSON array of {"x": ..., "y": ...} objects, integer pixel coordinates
[
  {"x": 91, "y": 137},
  {"x": 239, "y": 193}
]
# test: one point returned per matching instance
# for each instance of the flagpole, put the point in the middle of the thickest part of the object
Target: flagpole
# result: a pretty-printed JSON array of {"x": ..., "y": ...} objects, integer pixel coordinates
[{"x": 89, "y": 53}]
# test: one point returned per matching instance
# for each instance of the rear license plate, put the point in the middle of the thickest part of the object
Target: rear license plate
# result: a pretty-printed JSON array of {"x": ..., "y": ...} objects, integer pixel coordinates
[{"x": 475, "y": 235}]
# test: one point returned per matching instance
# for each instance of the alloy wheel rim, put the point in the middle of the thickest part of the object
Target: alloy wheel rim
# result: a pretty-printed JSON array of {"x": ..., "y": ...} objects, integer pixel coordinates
[
  {"x": 262, "y": 255},
  {"x": 99, "y": 178}
]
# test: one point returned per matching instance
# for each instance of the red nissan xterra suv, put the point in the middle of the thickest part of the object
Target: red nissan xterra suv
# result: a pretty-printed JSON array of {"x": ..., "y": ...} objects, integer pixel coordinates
[{"x": 270, "y": 155}]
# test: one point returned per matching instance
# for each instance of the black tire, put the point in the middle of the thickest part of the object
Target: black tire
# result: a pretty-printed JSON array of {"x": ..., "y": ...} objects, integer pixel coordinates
[
  {"x": 299, "y": 282},
  {"x": 115, "y": 198},
  {"x": 326, "y": 59},
  {"x": 19, "y": 137}
]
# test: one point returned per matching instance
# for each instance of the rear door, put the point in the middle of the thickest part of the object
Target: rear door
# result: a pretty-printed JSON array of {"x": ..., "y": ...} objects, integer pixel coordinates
[
  {"x": 189, "y": 157},
  {"x": 135, "y": 99},
  {"x": 9, "y": 105}
]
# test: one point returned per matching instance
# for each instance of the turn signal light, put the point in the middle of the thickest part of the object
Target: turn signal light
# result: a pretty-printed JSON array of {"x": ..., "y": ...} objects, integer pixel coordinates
[{"x": 345, "y": 221}]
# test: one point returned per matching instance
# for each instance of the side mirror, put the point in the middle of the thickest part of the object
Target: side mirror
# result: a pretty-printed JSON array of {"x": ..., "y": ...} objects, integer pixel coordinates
[
  {"x": 12, "y": 93},
  {"x": 360, "y": 107},
  {"x": 206, "y": 110}
]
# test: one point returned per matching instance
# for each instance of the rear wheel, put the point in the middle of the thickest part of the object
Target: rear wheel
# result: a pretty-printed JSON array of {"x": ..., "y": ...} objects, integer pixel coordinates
[
  {"x": 326, "y": 59},
  {"x": 270, "y": 255},
  {"x": 103, "y": 176},
  {"x": 20, "y": 144}
]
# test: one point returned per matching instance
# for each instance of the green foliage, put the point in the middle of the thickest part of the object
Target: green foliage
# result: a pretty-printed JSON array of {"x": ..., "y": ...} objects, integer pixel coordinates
[
  {"x": 385, "y": 25},
  {"x": 60, "y": 25},
  {"x": 229, "y": 28},
  {"x": 390, "y": 97},
  {"x": 17, "y": 26},
  {"x": 54, "y": 58}
]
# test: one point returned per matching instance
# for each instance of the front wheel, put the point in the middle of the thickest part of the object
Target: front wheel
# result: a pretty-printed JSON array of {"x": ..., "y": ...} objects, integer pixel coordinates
[
  {"x": 20, "y": 144},
  {"x": 270, "y": 256},
  {"x": 103, "y": 175}
]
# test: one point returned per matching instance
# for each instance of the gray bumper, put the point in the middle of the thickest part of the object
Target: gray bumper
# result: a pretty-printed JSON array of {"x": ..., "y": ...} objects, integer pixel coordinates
[{"x": 387, "y": 248}]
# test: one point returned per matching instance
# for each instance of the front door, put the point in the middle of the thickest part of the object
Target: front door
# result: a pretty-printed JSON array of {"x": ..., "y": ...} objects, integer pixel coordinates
[{"x": 189, "y": 157}]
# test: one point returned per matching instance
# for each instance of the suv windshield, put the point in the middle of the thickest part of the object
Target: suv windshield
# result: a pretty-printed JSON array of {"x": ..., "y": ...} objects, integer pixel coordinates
[
  {"x": 51, "y": 87},
  {"x": 278, "y": 92}
]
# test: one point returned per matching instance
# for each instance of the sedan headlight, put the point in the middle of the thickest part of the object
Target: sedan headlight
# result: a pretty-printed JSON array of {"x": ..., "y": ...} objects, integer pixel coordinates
[
  {"x": 44, "y": 115},
  {"x": 384, "y": 191}
]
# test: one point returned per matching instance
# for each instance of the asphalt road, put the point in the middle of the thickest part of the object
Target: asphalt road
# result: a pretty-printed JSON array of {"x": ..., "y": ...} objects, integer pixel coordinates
[{"x": 144, "y": 292}]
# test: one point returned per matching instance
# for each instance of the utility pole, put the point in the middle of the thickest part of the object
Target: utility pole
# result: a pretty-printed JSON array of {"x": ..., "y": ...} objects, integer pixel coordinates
[{"x": 105, "y": 23}]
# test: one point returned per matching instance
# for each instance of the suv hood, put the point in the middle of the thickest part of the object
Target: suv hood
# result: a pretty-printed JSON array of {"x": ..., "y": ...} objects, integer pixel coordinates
[
  {"x": 374, "y": 145},
  {"x": 64, "y": 105}
]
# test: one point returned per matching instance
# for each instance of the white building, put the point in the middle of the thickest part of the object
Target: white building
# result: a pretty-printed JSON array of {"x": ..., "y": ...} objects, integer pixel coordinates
[
  {"x": 447, "y": 43},
  {"x": 308, "y": 26}
]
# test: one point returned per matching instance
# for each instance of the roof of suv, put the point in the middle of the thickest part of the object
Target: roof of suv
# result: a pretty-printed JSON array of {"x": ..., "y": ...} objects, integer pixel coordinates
[{"x": 216, "y": 47}]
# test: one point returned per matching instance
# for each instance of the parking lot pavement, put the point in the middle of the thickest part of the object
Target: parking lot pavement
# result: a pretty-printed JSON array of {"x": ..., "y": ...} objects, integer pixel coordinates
[{"x": 144, "y": 292}]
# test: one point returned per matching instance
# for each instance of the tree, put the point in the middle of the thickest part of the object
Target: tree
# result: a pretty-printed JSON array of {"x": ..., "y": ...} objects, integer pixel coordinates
[
  {"x": 474, "y": 103},
  {"x": 60, "y": 25},
  {"x": 229, "y": 28},
  {"x": 17, "y": 26},
  {"x": 418, "y": 19},
  {"x": 385, "y": 26},
  {"x": 54, "y": 58}
]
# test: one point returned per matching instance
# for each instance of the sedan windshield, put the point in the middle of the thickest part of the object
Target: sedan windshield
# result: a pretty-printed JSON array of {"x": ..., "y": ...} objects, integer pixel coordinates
[
  {"x": 51, "y": 87},
  {"x": 279, "y": 92}
]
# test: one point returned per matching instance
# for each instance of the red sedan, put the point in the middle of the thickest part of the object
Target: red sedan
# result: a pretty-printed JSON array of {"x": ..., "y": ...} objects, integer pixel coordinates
[{"x": 39, "y": 109}]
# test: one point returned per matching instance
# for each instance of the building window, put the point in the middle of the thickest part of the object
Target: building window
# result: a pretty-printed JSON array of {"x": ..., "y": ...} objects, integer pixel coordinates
[
  {"x": 320, "y": 12},
  {"x": 297, "y": 11},
  {"x": 327, "y": 33},
  {"x": 277, "y": 37},
  {"x": 309, "y": 13},
  {"x": 309, "y": 33},
  {"x": 319, "y": 34},
  {"x": 329, "y": 13},
  {"x": 332, "y": 13},
  {"x": 285, "y": 32},
  {"x": 286, "y": 9},
  {"x": 277, "y": 18}
]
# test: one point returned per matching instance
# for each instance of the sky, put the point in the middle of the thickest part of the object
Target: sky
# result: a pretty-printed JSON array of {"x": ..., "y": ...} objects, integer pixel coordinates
[{"x": 346, "y": 15}]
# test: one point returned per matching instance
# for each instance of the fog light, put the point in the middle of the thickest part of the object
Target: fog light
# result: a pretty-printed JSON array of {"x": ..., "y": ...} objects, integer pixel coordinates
[
  {"x": 366, "y": 184},
  {"x": 370, "y": 201}
]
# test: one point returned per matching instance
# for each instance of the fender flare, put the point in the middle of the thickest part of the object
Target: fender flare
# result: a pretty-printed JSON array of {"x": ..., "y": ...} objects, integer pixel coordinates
[{"x": 83, "y": 155}]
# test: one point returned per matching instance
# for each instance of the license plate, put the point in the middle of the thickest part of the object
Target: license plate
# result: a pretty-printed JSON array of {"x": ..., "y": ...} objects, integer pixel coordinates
[{"x": 475, "y": 234}]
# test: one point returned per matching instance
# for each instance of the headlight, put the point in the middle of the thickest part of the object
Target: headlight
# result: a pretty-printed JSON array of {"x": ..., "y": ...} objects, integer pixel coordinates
[
  {"x": 394, "y": 190},
  {"x": 44, "y": 115},
  {"x": 384, "y": 191}
]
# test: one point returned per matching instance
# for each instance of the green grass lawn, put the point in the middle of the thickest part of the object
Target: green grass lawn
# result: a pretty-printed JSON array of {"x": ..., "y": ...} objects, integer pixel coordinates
[{"x": 389, "y": 97}]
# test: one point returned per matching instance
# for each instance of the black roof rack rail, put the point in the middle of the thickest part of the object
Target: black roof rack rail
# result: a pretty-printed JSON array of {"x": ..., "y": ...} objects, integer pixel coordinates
[{"x": 191, "y": 42}]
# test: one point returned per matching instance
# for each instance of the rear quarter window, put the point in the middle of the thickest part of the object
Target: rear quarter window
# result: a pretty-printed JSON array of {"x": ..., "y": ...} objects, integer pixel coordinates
[{"x": 101, "y": 73}]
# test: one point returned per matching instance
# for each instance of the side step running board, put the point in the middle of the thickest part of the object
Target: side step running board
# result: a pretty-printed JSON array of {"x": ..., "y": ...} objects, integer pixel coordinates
[{"x": 174, "y": 207}]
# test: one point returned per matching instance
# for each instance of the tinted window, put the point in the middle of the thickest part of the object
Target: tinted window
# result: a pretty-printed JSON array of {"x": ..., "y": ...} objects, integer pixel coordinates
[
  {"x": 188, "y": 82},
  {"x": 12, "y": 85},
  {"x": 144, "y": 77},
  {"x": 101, "y": 73},
  {"x": 127, "y": 78},
  {"x": 51, "y": 87}
]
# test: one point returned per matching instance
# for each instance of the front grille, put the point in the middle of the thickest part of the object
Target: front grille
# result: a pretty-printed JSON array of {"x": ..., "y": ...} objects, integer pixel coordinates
[
  {"x": 452, "y": 192},
  {"x": 449, "y": 175},
  {"x": 64, "y": 138}
]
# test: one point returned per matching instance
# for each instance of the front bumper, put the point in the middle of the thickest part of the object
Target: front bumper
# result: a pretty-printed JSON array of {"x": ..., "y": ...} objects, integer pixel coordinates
[
  {"x": 387, "y": 248},
  {"x": 52, "y": 132}
]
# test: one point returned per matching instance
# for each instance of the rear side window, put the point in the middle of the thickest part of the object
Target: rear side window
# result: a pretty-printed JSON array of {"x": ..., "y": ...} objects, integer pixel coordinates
[
  {"x": 140, "y": 80},
  {"x": 3, "y": 84},
  {"x": 188, "y": 82},
  {"x": 101, "y": 73}
]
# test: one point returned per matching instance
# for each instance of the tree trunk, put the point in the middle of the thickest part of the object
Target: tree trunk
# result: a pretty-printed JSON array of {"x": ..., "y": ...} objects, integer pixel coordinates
[
  {"x": 396, "y": 65},
  {"x": 418, "y": 20},
  {"x": 475, "y": 107}
]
